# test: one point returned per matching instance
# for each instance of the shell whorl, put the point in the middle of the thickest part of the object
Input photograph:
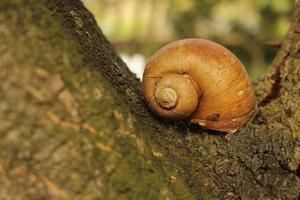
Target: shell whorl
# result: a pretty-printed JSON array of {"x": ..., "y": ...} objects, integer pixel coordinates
[
  {"x": 221, "y": 92},
  {"x": 166, "y": 97},
  {"x": 175, "y": 97}
]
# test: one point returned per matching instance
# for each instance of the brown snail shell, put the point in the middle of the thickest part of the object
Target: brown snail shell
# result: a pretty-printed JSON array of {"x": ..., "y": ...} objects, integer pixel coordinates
[{"x": 200, "y": 81}]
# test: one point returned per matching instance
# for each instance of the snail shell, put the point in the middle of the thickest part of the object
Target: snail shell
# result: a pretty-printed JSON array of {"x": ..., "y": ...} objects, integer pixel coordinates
[{"x": 200, "y": 81}]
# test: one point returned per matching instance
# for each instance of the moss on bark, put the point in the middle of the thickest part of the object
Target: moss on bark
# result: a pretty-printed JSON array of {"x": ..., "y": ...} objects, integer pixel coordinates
[
  {"x": 64, "y": 132},
  {"x": 74, "y": 123}
]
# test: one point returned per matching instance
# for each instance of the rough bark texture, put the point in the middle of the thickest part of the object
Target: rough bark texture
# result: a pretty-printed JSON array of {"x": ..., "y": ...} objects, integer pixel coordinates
[{"x": 73, "y": 122}]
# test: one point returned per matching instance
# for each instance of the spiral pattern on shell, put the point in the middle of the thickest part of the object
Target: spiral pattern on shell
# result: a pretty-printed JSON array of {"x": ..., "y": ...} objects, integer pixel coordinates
[{"x": 200, "y": 81}]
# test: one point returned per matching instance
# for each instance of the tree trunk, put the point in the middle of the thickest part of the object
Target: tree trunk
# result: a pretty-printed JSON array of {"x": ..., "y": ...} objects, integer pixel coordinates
[{"x": 74, "y": 125}]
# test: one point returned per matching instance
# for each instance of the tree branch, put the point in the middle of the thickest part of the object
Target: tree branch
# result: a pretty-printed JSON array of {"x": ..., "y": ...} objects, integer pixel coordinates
[
  {"x": 289, "y": 52},
  {"x": 80, "y": 23},
  {"x": 259, "y": 161}
]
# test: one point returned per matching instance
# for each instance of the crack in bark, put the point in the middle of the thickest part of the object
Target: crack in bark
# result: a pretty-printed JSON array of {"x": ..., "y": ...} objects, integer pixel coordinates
[{"x": 276, "y": 79}]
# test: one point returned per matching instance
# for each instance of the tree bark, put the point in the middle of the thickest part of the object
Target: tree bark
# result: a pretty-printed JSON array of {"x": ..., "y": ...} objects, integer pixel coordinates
[{"x": 74, "y": 125}]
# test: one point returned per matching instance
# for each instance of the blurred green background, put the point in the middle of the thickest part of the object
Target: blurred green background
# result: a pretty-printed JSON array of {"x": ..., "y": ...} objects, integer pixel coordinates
[{"x": 138, "y": 28}]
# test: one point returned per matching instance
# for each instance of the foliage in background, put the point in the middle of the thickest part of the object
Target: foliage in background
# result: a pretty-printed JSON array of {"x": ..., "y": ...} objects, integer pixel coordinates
[{"x": 244, "y": 26}]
